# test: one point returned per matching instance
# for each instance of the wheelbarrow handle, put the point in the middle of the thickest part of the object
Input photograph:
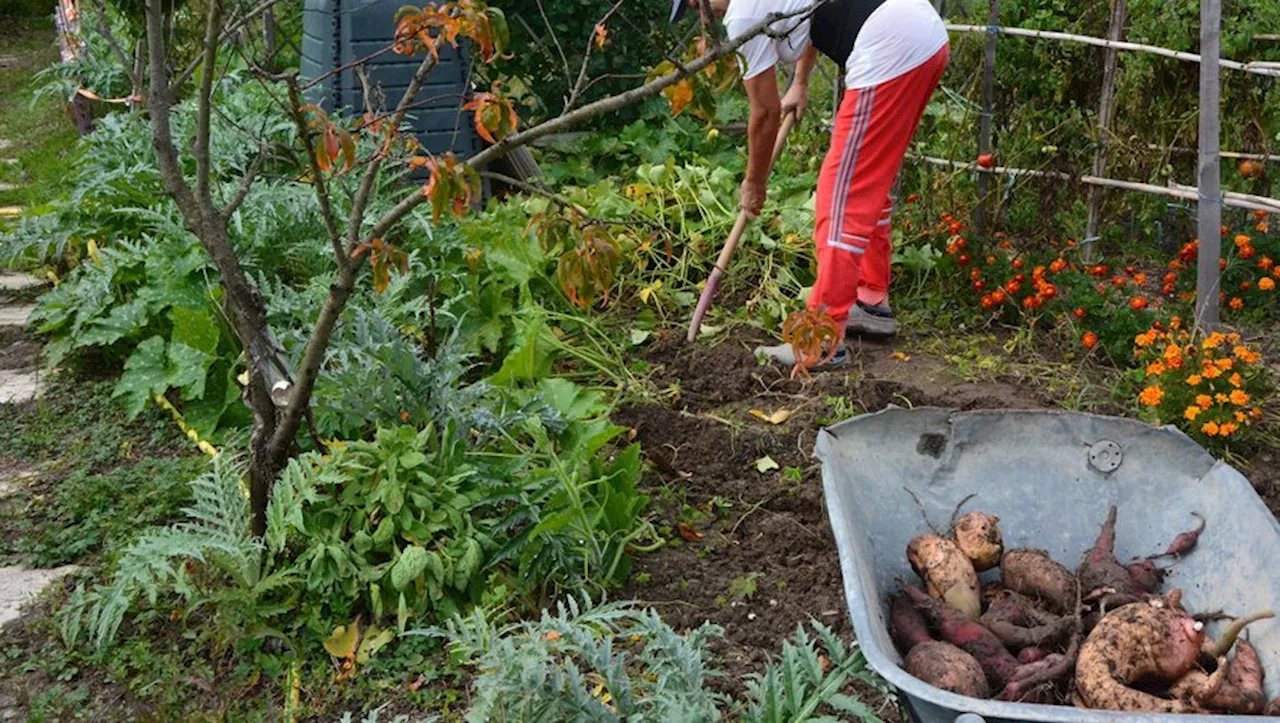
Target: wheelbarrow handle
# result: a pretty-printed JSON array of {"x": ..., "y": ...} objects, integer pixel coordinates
[{"x": 731, "y": 243}]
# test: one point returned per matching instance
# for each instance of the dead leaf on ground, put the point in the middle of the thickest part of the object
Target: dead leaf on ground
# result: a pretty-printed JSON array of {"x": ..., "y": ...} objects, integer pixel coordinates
[
  {"x": 688, "y": 534},
  {"x": 899, "y": 356},
  {"x": 778, "y": 416}
]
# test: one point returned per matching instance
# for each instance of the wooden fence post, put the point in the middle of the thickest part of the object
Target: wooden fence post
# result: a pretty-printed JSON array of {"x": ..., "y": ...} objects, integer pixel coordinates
[
  {"x": 1106, "y": 113},
  {"x": 983, "y": 212},
  {"x": 1208, "y": 277}
]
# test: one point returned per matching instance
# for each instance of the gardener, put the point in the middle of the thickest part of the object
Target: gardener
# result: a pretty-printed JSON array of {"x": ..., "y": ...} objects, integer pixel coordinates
[{"x": 893, "y": 53}]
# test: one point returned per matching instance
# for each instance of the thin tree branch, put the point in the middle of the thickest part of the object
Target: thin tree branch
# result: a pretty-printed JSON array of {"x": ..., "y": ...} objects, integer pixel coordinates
[
  {"x": 346, "y": 66},
  {"x": 246, "y": 183},
  {"x": 556, "y": 40},
  {"x": 104, "y": 29},
  {"x": 586, "y": 58},
  {"x": 540, "y": 191},
  {"x": 181, "y": 78},
  {"x": 317, "y": 175},
  {"x": 204, "y": 103}
]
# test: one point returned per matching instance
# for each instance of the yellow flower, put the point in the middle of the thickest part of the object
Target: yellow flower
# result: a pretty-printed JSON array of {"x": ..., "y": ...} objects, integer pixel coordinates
[
  {"x": 1144, "y": 339},
  {"x": 1242, "y": 418},
  {"x": 1155, "y": 368},
  {"x": 1204, "y": 401},
  {"x": 1266, "y": 284},
  {"x": 1194, "y": 379},
  {"x": 1245, "y": 355},
  {"x": 1239, "y": 397},
  {"x": 1221, "y": 398},
  {"x": 1210, "y": 371},
  {"x": 1225, "y": 364},
  {"x": 1227, "y": 428},
  {"x": 1151, "y": 396},
  {"x": 1210, "y": 428},
  {"x": 1191, "y": 413},
  {"x": 1214, "y": 340},
  {"x": 1236, "y": 380}
]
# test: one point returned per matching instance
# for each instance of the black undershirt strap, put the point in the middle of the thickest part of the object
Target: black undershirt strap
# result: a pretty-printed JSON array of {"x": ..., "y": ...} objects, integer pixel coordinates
[{"x": 835, "y": 26}]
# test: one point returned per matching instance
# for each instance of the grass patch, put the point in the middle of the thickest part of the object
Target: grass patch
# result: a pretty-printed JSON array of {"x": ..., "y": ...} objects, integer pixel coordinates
[
  {"x": 42, "y": 137},
  {"x": 100, "y": 481}
]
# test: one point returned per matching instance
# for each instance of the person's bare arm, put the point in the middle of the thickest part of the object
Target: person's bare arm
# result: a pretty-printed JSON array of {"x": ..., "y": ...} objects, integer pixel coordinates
[
  {"x": 762, "y": 131},
  {"x": 797, "y": 97}
]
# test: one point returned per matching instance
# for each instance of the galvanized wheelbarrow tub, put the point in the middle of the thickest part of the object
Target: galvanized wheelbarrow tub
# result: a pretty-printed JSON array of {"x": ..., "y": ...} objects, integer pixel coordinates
[{"x": 1050, "y": 476}]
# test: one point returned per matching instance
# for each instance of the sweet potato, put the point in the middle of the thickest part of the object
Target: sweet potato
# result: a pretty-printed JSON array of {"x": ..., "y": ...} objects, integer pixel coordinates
[
  {"x": 1100, "y": 570},
  {"x": 1034, "y": 574},
  {"x": 1186, "y": 541},
  {"x": 1273, "y": 708},
  {"x": 1018, "y": 623},
  {"x": 1031, "y": 677},
  {"x": 945, "y": 666},
  {"x": 906, "y": 625},
  {"x": 1235, "y": 687},
  {"x": 970, "y": 636},
  {"x": 1135, "y": 643},
  {"x": 947, "y": 573},
  {"x": 1145, "y": 576},
  {"x": 1031, "y": 655},
  {"x": 979, "y": 538}
]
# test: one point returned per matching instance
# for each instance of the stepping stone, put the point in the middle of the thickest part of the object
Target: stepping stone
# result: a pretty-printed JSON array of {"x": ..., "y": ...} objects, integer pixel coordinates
[
  {"x": 15, "y": 480},
  {"x": 16, "y": 314},
  {"x": 17, "y": 281},
  {"x": 19, "y": 585},
  {"x": 10, "y": 61},
  {"x": 10, "y": 211},
  {"x": 19, "y": 386},
  {"x": 8, "y": 187}
]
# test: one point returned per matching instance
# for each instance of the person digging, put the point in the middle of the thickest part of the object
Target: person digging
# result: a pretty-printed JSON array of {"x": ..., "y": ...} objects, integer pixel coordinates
[{"x": 893, "y": 53}]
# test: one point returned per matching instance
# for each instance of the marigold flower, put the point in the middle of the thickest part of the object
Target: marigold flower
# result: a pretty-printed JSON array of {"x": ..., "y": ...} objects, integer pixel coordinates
[
  {"x": 1236, "y": 380},
  {"x": 1173, "y": 351},
  {"x": 1225, "y": 364},
  {"x": 1233, "y": 338},
  {"x": 1210, "y": 371},
  {"x": 1191, "y": 413},
  {"x": 1226, "y": 428},
  {"x": 1221, "y": 398},
  {"x": 1151, "y": 396},
  {"x": 1247, "y": 252},
  {"x": 1143, "y": 339},
  {"x": 1239, "y": 397},
  {"x": 1241, "y": 417},
  {"x": 1266, "y": 263},
  {"x": 1214, "y": 340},
  {"x": 1138, "y": 303},
  {"x": 1194, "y": 380},
  {"x": 1175, "y": 323},
  {"x": 1204, "y": 401},
  {"x": 1210, "y": 428},
  {"x": 1090, "y": 340},
  {"x": 1236, "y": 303},
  {"x": 1242, "y": 240},
  {"x": 1266, "y": 284},
  {"x": 1245, "y": 355},
  {"x": 1155, "y": 368}
]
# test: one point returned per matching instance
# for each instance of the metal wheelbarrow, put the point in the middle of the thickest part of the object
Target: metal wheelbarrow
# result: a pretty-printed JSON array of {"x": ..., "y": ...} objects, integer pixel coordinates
[{"x": 1050, "y": 476}]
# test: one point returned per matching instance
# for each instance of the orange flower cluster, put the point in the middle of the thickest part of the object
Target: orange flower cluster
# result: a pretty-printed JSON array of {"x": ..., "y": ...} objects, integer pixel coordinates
[{"x": 1209, "y": 386}]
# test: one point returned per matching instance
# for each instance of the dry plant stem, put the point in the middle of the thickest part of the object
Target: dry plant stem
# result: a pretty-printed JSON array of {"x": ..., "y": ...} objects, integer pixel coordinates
[
  {"x": 227, "y": 32},
  {"x": 920, "y": 506},
  {"x": 1220, "y": 647},
  {"x": 246, "y": 183}
]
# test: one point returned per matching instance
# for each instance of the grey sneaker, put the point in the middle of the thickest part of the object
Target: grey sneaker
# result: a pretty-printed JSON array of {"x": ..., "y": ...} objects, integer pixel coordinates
[
  {"x": 786, "y": 356},
  {"x": 871, "y": 320}
]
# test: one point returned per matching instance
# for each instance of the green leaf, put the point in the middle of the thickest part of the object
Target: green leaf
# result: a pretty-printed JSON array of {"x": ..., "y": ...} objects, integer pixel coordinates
[
  {"x": 124, "y": 320},
  {"x": 196, "y": 328},
  {"x": 145, "y": 374},
  {"x": 187, "y": 370},
  {"x": 435, "y": 566},
  {"x": 466, "y": 564},
  {"x": 533, "y": 354},
  {"x": 342, "y": 642},
  {"x": 410, "y": 565},
  {"x": 571, "y": 400},
  {"x": 374, "y": 640},
  {"x": 409, "y": 460},
  {"x": 386, "y": 529}
]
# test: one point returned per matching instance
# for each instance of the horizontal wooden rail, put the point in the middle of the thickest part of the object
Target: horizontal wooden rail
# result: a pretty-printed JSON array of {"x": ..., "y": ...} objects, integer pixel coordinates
[
  {"x": 1270, "y": 157},
  {"x": 1255, "y": 68},
  {"x": 1189, "y": 193}
]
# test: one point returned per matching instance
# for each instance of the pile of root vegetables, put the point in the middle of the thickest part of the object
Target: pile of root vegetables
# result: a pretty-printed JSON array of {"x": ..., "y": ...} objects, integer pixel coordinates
[{"x": 1105, "y": 637}]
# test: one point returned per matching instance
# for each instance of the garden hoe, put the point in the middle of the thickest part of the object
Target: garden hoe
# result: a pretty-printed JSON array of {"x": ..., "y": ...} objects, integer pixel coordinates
[{"x": 731, "y": 244}]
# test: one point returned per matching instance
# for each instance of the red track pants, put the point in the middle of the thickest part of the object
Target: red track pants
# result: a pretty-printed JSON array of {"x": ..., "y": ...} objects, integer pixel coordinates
[{"x": 872, "y": 132}]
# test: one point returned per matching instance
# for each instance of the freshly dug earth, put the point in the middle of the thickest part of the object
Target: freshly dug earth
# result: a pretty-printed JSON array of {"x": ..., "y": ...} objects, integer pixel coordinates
[{"x": 757, "y": 555}]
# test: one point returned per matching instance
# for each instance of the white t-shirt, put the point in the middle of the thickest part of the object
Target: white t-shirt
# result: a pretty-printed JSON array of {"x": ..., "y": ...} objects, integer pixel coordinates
[{"x": 899, "y": 36}]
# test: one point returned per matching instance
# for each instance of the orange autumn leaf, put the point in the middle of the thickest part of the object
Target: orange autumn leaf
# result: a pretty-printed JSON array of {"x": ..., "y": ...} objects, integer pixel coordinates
[
  {"x": 600, "y": 34},
  {"x": 495, "y": 116}
]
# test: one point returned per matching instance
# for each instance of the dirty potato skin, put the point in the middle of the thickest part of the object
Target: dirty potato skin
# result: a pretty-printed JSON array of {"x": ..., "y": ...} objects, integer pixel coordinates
[
  {"x": 947, "y": 573},
  {"x": 945, "y": 666},
  {"x": 1034, "y": 574},
  {"x": 1133, "y": 643},
  {"x": 979, "y": 538},
  {"x": 1241, "y": 691}
]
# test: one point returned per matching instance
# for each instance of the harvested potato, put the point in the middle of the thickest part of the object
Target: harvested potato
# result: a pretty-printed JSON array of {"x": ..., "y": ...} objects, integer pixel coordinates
[
  {"x": 945, "y": 666},
  {"x": 968, "y": 635},
  {"x": 1034, "y": 574},
  {"x": 979, "y": 538},
  {"x": 947, "y": 573}
]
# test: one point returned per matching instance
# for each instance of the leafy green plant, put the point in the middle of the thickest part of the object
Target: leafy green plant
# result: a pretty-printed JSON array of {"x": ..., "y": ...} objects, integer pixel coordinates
[{"x": 616, "y": 662}]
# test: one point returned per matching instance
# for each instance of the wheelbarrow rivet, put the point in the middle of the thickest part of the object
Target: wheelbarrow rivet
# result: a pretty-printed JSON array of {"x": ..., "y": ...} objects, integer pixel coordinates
[{"x": 1105, "y": 456}]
